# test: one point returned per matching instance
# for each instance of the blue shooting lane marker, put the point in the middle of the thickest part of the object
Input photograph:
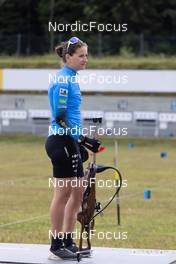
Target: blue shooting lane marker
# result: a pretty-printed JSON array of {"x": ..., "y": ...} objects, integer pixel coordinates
[
  {"x": 130, "y": 145},
  {"x": 163, "y": 154},
  {"x": 147, "y": 194}
]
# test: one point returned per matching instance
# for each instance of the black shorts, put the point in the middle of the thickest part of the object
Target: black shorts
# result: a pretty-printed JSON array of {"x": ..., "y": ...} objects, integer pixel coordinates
[{"x": 65, "y": 156}]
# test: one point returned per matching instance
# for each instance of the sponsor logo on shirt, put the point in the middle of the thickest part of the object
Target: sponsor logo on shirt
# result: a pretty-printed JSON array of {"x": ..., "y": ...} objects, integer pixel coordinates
[
  {"x": 63, "y": 92},
  {"x": 62, "y": 101}
]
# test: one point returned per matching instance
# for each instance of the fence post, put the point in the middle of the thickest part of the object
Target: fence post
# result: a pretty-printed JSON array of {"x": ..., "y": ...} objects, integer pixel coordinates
[
  {"x": 99, "y": 44},
  {"x": 18, "y": 49},
  {"x": 141, "y": 44},
  {"x": 52, "y": 4}
]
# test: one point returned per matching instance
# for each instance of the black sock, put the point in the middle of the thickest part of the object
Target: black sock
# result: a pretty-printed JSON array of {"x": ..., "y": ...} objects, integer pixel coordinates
[
  {"x": 68, "y": 240},
  {"x": 56, "y": 243}
]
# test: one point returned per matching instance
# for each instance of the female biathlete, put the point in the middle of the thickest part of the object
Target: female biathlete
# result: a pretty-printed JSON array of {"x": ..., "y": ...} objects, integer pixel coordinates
[{"x": 63, "y": 148}]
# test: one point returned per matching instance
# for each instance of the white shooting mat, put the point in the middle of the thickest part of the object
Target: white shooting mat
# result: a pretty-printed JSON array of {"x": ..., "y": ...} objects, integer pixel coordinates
[{"x": 38, "y": 254}]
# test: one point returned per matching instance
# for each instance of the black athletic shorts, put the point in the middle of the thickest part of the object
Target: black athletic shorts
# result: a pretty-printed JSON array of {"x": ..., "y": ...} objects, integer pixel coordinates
[{"x": 65, "y": 156}]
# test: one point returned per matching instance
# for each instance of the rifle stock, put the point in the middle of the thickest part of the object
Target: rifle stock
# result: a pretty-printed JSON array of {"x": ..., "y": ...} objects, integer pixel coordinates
[{"x": 88, "y": 207}]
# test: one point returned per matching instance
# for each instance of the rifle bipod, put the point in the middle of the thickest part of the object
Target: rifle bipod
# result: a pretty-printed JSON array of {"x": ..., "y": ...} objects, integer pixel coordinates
[{"x": 90, "y": 207}]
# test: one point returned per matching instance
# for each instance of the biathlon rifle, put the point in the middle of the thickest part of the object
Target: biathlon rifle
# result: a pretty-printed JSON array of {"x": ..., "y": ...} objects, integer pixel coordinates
[{"x": 90, "y": 208}]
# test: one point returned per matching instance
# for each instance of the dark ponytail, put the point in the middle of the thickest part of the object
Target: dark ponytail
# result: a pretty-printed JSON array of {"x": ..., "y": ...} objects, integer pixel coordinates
[{"x": 62, "y": 49}]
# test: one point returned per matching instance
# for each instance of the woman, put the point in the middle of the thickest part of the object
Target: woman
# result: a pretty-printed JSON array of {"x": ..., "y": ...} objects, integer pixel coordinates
[{"x": 63, "y": 149}]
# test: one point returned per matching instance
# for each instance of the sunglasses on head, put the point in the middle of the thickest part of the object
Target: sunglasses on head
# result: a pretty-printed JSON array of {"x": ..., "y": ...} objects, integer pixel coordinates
[{"x": 71, "y": 41}]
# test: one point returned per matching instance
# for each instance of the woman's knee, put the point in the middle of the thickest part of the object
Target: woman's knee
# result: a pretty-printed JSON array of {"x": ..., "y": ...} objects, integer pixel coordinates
[
  {"x": 62, "y": 195},
  {"x": 77, "y": 195}
]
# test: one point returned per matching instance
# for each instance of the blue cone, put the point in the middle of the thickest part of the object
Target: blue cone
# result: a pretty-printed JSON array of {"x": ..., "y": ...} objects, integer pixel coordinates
[
  {"x": 147, "y": 194},
  {"x": 163, "y": 154},
  {"x": 130, "y": 145}
]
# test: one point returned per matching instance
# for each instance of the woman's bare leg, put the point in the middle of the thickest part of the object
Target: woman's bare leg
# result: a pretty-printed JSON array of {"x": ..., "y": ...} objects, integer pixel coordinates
[
  {"x": 72, "y": 206},
  {"x": 61, "y": 196}
]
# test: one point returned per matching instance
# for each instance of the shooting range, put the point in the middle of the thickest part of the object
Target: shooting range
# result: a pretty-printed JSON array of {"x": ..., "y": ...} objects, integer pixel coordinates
[{"x": 128, "y": 109}]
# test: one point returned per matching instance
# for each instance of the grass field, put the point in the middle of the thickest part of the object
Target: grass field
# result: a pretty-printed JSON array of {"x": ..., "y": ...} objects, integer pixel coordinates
[
  {"x": 25, "y": 196},
  {"x": 107, "y": 62}
]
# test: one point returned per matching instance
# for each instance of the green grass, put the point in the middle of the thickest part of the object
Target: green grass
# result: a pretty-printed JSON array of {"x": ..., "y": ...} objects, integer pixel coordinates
[
  {"x": 25, "y": 196},
  {"x": 107, "y": 62}
]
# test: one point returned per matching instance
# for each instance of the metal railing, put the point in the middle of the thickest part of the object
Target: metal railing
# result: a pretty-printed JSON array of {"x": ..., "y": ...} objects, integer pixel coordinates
[{"x": 99, "y": 44}]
